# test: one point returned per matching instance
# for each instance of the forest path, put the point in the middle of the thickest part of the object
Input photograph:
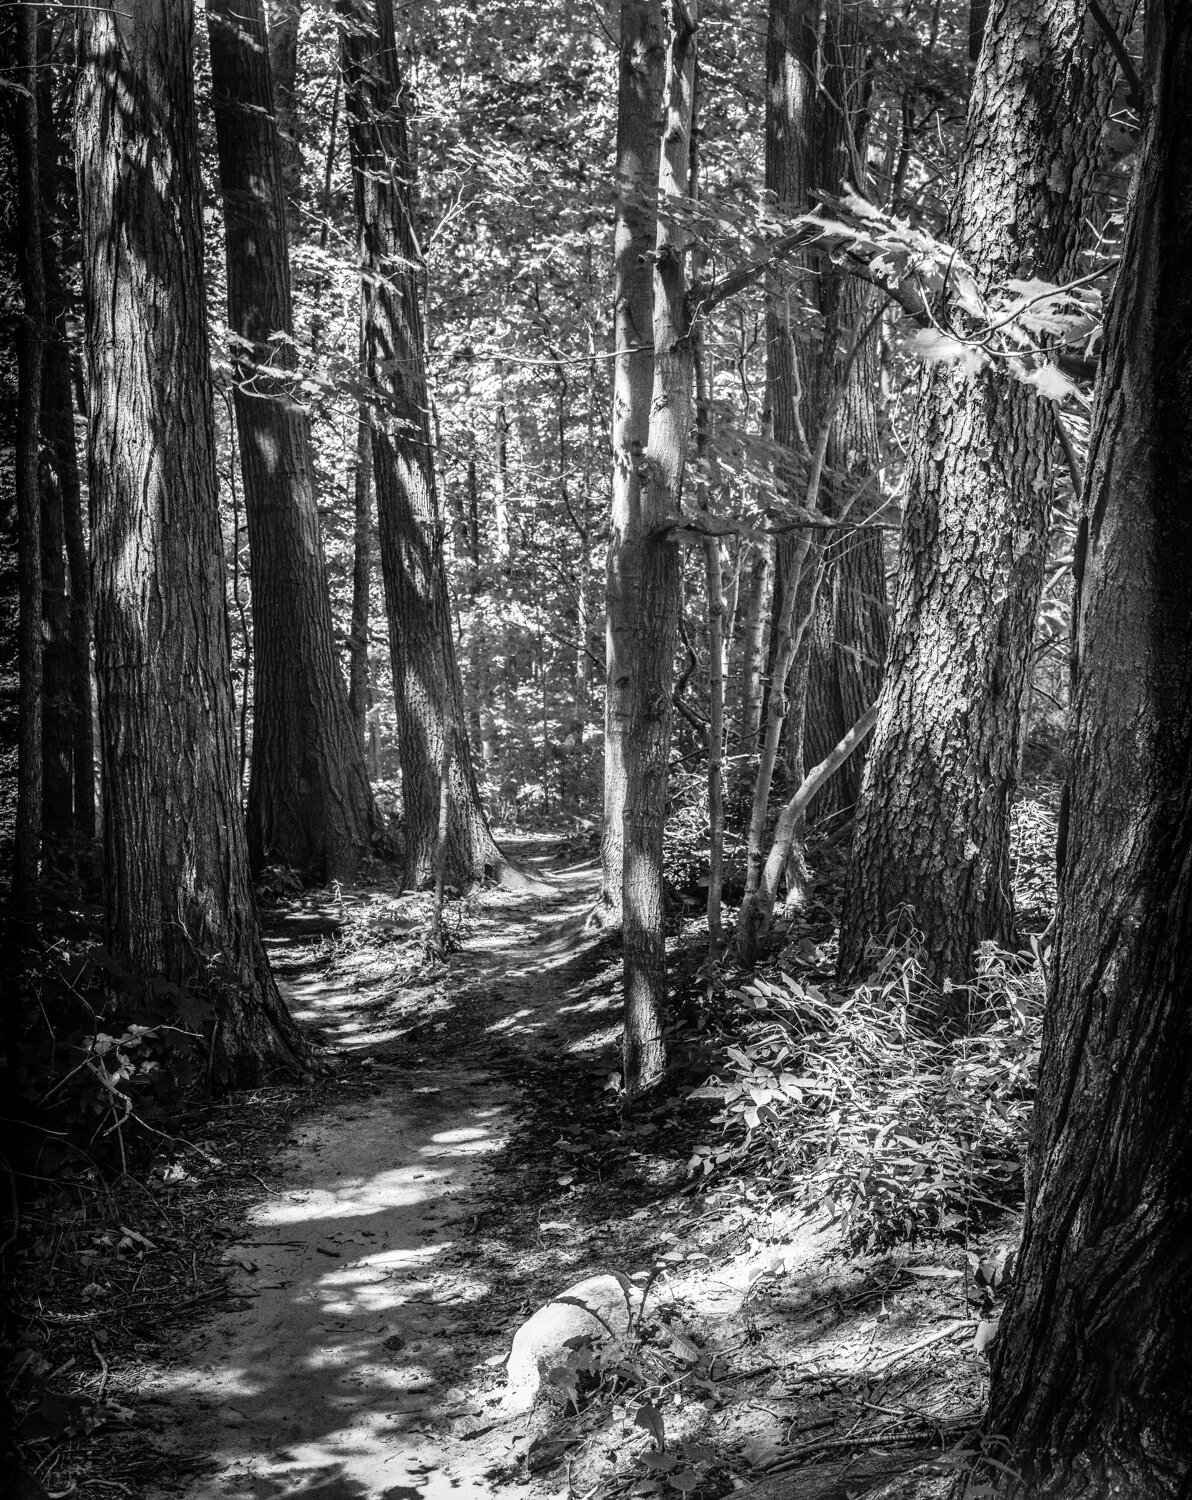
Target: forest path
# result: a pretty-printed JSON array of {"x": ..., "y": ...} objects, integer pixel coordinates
[{"x": 361, "y": 1310}]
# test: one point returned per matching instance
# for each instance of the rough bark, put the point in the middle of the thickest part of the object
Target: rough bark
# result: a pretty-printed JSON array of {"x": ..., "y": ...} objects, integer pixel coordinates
[
  {"x": 359, "y": 693},
  {"x": 309, "y": 802},
  {"x": 1092, "y": 1368},
  {"x": 933, "y": 827},
  {"x": 179, "y": 902},
  {"x": 754, "y": 628},
  {"x": 30, "y": 347},
  {"x": 651, "y": 666},
  {"x": 426, "y": 682},
  {"x": 639, "y": 99},
  {"x": 285, "y": 17}
]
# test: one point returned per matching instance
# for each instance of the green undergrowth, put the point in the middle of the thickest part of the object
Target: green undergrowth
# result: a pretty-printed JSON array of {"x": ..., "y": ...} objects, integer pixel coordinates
[{"x": 849, "y": 1100}]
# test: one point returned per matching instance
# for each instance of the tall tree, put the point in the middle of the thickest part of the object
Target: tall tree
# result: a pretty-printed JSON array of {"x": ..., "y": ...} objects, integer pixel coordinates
[
  {"x": 646, "y": 745},
  {"x": 179, "y": 902},
  {"x": 431, "y": 723},
  {"x": 309, "y": 801},
  {"x": 933, "y": 825},
  {"x": 1092, "y": 1368},
  {"x": 639, "y": 100}
]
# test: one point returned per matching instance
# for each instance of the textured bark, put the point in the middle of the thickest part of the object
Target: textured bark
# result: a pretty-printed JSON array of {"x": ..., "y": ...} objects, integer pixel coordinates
[
  {"x": 426, "y": 682},
  {"x": 30, "y": 347},
  {"x": 651, "y": 667},
  {"x": 309, "y": 802},
  {"x": 1092, "y": 1368},
  {"x": 639, "y": 98},
  {"x": 933, "y": 827},
  {"x": 285, "y": 16},
  {"x": 359, "y": 693},
  {"x": 754, "y": 629},
  {"x": 179, "y": 902}
]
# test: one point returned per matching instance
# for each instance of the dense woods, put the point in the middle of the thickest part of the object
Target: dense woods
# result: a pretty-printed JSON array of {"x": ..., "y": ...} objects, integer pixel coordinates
[{"x": 741, "y": 450}]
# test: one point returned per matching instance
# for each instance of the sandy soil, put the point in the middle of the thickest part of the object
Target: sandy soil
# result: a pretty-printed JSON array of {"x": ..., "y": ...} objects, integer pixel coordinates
[{"x": 461, "y": 1172}]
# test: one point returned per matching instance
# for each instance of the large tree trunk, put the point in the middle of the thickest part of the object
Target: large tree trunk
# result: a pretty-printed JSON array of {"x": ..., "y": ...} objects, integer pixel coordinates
[
  {"x": 309, "y": 801},
  {"x": 639, "y": 98},
  {"x": 359, "y": 692},
  {"x": 932, "y": 830},
  {"x": 426, "y": 682},
  {"x": 1092, "y": 1368},
  {"x": 30, "y": 347},
  {"x": 179, "y": 902},
  {"x": 646, "y": 747}
]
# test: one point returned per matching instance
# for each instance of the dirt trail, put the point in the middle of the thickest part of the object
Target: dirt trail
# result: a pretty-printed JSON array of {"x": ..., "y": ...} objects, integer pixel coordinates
[{"x": 362, "y": 1315}]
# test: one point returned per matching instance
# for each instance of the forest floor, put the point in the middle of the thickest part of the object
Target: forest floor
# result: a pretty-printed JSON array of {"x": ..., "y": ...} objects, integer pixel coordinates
[{"x": 318, "y": 1293}]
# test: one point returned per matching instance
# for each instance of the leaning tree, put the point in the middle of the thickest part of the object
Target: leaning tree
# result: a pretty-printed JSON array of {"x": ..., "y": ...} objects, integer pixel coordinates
[{"x": 179, "y": 901}]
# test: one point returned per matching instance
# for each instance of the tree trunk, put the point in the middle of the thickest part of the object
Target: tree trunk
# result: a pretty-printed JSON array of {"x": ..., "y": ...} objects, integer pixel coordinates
[
  {"x": 753, "y": 647},
  {"x": 179, "y": 902},
  {"x": 639, "y": 99},
  {"x": 358, "y": 674},
  {"x": 646, "y": 746},
  {"x": 1092, "y": 1374},
  {"x": 30, "y": 347},
  {"x": 426, "y": 682},
  {"x": 309, "y": 801},
  {"x": 933, "y": 827},
  {"x": 285, "y": 16}
]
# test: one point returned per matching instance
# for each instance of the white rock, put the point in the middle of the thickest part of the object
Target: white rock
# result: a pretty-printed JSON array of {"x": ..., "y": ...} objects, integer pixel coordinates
[{"x": 600, "y": 1308}]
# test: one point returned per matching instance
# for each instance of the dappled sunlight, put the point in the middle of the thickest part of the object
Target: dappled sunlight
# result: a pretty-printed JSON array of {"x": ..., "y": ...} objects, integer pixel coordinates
[{"x": 399, "y": 1188}]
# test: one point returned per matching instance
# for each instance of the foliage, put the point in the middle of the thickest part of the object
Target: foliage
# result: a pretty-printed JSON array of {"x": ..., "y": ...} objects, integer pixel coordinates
[
  {"x": 104, "y": 1061},
  {"x": 850, "y": 1101}
]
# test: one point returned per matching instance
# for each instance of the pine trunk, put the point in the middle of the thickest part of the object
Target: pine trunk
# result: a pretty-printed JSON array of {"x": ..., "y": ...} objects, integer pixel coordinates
[
  {"x": 426, "y": 681},
  {"x": 646, "y": 748},
  {"x": 933, "y": 827},
  {"x": 309, "y": 802},
  {"x": 179, "y": 902},
  {"x": 639, "y": 99},
  {"x": 1092, "y": 1370}
]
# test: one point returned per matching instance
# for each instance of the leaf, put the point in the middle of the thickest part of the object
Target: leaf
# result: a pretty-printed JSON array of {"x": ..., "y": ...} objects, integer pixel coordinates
[
  {"x": 986, "y": 1333},
  {"x": 661, "y": 1463},
  {"x": 685, "y": 1480},
  {"x": 1051, "y": 383},
  {"x": 650, "y": 1418},
  {"x": 684, "y": 1347}
]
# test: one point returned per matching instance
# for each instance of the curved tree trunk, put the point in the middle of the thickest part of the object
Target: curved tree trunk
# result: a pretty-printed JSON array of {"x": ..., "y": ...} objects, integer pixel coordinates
[
  {"x": 426, "y": 682},
  {"x": 1092, "y": 1371},
  {"x": 309, "y": 802},
  {"x": 639, "y": 99},
  {"x": 933, "y": 827},
  {"x": 179, "y": 902}
]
